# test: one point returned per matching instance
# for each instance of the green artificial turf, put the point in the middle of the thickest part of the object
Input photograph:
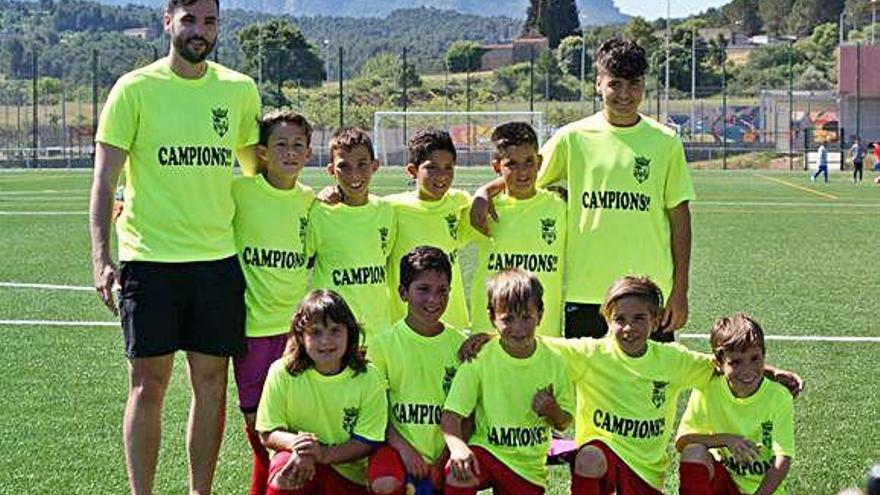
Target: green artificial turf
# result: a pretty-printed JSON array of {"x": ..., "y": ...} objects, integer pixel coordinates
[{"x": 800, "y": 257}]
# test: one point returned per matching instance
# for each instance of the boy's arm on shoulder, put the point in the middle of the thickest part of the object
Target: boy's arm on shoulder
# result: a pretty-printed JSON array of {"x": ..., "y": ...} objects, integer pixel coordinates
[{"x": 788, "y": 379}]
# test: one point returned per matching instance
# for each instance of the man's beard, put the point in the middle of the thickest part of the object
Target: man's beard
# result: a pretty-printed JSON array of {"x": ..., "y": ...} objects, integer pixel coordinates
[{"x": 183, "y": 50}]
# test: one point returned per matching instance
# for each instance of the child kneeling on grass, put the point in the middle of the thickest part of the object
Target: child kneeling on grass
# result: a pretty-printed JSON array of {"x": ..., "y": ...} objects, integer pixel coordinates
[
  {"x": 518, "y": 392},
  {"x": 323, "y": 407},
  {"x": 627, "y": 391},
  {"x": 737, "y": 434}
]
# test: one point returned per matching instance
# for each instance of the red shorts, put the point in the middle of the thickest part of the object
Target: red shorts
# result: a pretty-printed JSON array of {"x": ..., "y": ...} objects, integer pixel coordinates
[
  {"x": 620, "y": 478},
  {"x": 325, "y": 482},
  {"x": 496, "y": 475},
  {"x": 722, "y": 483},
  {"x": 386, "y": 463}
]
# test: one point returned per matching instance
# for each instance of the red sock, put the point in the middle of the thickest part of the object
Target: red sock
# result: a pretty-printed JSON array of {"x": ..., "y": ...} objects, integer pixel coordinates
[
  {"x": 452, "y": 490},
  {"x": 694, "y": 478},
  {"x": 260, "y": 471},
  {"x": 581, "y": 485}
]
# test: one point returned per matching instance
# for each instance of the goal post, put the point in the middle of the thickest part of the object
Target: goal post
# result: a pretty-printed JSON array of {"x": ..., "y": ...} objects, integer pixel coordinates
[{"x": 470, "y": 131}]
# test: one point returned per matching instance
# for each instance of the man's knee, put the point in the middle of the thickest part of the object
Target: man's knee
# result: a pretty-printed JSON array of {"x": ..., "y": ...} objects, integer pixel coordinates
[
  {"x": 590, "y": 462},
  {"x": 208, "y": 374},
  {"x": 698, "y": 454},
  {"x": 454, "y": 482},
  {"x": 386, "y": 485},
  {"x": 148, "y": 379}
]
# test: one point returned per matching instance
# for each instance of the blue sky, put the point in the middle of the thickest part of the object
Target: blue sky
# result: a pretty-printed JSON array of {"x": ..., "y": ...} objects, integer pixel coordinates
[{"x": 652, "y": 9}]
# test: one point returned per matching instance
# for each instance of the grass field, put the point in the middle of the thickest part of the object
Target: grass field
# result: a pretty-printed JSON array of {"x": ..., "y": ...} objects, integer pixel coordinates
[{"x": 802, "y": 258}]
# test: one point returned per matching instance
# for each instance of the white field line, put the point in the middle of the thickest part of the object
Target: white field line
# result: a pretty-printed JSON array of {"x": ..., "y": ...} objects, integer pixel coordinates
[
  {"x": 39, "y": 213},
  {"x": 793, "y": 204},
  {"x": 36, "y": 199},
  {"x": 20, "y": 285},
  {"x": 796, "y": 338},
  {"x": 43, "y": 191},
  {"x": 58, "y": 323}
]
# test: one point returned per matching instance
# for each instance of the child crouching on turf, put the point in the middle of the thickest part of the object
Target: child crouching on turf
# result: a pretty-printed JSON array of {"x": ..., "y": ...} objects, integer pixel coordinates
[
  {"x": 736, "y": 436},
  {"x": 263, "y": 203},
  {"x": 517, "y": 390},
  {"x": 627, "y": 391},
  {"x": 323, "y": 407},
  {"x": 418, "y": 358}
]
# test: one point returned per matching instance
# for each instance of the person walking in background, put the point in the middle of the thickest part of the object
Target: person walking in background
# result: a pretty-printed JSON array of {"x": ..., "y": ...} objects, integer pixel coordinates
[
  {"x": 823, "y": 163},
  {"x": 857, "y": 153}
]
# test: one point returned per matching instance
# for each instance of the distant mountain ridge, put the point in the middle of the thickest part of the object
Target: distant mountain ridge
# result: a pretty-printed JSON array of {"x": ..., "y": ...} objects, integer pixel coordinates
[{"x": 592, "y": 12}]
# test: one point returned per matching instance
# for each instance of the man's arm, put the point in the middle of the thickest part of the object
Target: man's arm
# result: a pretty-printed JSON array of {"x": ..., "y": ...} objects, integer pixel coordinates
[
  {"x": 109, "y": 161},
  {"x": 676, "y": 313},
  {"x": 247, "y": 160}
]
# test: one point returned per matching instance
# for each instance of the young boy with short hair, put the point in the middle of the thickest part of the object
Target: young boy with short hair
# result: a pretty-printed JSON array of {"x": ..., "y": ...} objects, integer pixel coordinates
[
  {"x": 418, "y": 357},
  {"x": 272, "y": 211},
  {"x": 628, "y": 194},
  {"x": 431, "y": 215},
  {"x": 518, "y": 392},
  {"x": 350, "y": 241},
  {"x": 737, "y": 434},
  {"x": 529, "y": 232}
]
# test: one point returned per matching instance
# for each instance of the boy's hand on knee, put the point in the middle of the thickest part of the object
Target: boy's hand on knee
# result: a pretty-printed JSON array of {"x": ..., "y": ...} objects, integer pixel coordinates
[
  {"x": 463, "y": 465},
  {"x": 414, "y": 462},
  {"x": 298, "y": 470},
  {"x": 741, "y": 448},
  {"x": 470, "y": 348}
]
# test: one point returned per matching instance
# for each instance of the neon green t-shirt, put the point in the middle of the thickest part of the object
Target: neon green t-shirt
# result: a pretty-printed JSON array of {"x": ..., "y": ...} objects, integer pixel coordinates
[
  {"x": 629, "y": 403},
  {"x": 430, "y": 223},
  {"x": 419, "y": 371},
  {"x": 270, "y": 232},
  {"x": 499, "y": 390},
  {"x": 181, "y": 136},
  {"x": 351, "y": 246},
  {"x": 766, "y": 418},
  {"x": 334, "y": 408},
  {"x": 529, "y": 234},
  {"x": 621, "y": 182}
]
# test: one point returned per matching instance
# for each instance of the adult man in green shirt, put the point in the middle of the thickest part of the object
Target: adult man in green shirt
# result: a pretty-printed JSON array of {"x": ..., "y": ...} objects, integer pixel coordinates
[{"x": 175, "y": 126}]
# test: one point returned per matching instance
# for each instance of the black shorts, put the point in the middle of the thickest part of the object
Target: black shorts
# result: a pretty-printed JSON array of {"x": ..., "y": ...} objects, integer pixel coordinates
[
  {"x": 195, "y": 306},
  {"x": 586, "y": 320}
]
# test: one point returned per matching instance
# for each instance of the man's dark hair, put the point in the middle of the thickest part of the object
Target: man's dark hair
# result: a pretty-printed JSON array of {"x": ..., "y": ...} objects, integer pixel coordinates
[
  {"x": 513, "y": 134},
  {"x": 426, "y": 141},
  {"x": 421, "y": 259},
  {"x": 622, "y": 58},
  {"x": 173, "y": 4},
  {"x": 276, "y": 117}
]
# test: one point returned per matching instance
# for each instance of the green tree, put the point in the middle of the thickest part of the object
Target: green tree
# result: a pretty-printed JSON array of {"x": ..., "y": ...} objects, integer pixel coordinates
[
  {"x": 463, "y": 56},
  {"x": 283, "y": 53},
  {"x": 569, "y": 55},
  {"x": 774, "y": 15},
  {"x": 742, "y": 15},
  {"x": 642, "y": 32},
  {"x": 387, "y": 69},
  {"x": 554, "y": 19}
]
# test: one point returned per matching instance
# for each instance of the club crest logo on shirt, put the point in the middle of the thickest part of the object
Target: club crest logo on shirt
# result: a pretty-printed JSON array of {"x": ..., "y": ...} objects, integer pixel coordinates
[
  {"x": 448, "y": 375},
  {"x": 658, "y": 395},
  {"x": 350, "y": 419},
  {"x": 767, "y": 433},
  {"x": 383, "y": 238},
  {"x": 642, "y": 169},
  {"x": 548, "y": 230},
  {"x": 303, "y": 228},
  {"x": 220, "y": 117},
  {"x": 452, "y": 226}
]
